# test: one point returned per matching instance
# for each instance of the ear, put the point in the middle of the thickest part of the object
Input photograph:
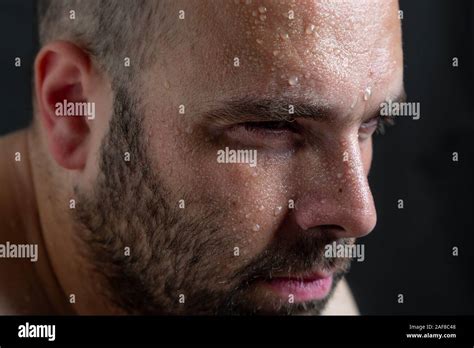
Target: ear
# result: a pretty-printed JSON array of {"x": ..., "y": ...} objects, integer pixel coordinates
[{"x": 63, "y": 84}]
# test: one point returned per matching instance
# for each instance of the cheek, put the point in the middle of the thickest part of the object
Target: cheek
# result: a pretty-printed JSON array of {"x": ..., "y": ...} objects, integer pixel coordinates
[
  {"x": 256, "y": 200},
  {"x": 249, "y": 202}
]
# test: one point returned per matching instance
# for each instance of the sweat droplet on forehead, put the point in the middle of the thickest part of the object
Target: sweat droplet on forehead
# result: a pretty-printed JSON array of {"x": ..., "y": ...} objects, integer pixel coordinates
[
  {"x": 301, "y": 46},
  {"x": 310, "y": 29},
  {"x": 293, "y": 80},
  {"x": 367, "y": 93}
]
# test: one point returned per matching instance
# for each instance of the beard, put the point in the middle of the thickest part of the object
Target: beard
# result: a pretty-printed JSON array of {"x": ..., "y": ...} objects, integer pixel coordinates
[{"x": 155, "y": 258}]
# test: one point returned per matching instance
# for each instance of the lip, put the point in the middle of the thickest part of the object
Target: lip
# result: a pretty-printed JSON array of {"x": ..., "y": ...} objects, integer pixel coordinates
[{"x": 315, "y": 286}]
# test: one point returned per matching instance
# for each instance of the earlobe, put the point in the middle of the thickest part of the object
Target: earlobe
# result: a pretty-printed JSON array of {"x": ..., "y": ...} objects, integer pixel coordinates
[{"x": 62, "y": 81}]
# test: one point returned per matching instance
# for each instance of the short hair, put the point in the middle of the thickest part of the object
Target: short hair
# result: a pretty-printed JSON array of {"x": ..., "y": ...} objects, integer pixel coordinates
[{"x": 109, "y": 30}]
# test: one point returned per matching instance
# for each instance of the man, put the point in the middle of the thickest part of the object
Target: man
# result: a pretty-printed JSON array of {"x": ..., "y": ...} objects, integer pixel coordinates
[{"x": 196, "y": 157}]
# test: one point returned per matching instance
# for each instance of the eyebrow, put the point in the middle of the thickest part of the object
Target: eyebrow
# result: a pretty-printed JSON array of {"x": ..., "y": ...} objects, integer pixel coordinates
[
  {"x": 277, "y": 109},
  {"x": 266, "y": 109}
]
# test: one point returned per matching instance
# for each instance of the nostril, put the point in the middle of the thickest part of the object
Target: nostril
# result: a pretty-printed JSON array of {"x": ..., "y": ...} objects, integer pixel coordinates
[
  {"x": 331, "y": 228},
  {"x": 329, "y": 232}
]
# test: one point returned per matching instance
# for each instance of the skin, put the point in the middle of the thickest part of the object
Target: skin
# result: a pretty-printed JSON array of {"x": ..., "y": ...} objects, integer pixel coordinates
[{"x": 353, "y": 48}]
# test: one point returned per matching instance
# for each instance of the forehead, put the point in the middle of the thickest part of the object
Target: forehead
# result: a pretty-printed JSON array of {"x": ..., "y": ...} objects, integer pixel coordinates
[{"x": 294, "y": 47}]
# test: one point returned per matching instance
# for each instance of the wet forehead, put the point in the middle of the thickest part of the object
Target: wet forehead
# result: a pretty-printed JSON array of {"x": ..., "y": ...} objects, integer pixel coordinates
[{"x": 300, "y": 47}]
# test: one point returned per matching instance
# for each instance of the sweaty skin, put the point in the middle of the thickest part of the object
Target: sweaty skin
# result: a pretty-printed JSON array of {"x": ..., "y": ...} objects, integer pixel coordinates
[{"x": 344, "y": 57}]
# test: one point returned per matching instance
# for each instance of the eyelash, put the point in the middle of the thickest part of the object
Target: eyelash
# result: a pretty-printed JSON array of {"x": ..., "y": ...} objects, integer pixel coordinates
[
  {"x": 275, "y": 128},
  {"x": 383, "y": 123}
]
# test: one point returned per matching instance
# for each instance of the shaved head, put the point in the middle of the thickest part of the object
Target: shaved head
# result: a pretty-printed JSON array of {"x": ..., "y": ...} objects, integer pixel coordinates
[{"x": 109, "y": 30}]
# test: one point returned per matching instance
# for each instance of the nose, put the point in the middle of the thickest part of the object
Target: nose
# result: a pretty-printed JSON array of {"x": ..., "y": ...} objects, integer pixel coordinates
[{"x": 338, "y": 199}]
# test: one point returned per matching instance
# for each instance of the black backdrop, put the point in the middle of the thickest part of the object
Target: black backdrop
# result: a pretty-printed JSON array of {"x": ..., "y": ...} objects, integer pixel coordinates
[{"x": 410, "y": 251}]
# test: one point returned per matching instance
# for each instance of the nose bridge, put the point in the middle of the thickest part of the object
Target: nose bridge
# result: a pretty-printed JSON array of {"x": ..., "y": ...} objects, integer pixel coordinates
[
  {"x": 350, "y": 179},
  {"x": 339, "y": 195}
]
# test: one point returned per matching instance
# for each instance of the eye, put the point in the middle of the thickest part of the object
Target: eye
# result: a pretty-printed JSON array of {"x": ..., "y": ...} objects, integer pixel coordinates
[
  {"x": 270, "y": 134},
  {"x": 270, "y": 128},
  {"x": 375, "y": 125}
]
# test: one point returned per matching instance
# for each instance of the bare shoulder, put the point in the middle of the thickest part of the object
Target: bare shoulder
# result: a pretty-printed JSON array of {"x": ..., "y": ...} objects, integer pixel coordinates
[
  {"x": 12, "y": 173},
  {"x": 20, "y": 289},
  {"x": 11, "y": 169}
]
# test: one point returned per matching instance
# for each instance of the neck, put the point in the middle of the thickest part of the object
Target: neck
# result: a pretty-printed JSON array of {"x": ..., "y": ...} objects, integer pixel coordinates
[
  {"x": 32, "y": 286},
  {"x": 79, "y": 290},
  {"x": 47, "y": 279}
]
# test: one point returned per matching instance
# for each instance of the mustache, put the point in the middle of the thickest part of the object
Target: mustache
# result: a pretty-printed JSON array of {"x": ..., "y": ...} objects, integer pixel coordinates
[{"x": 304, "y": 255}]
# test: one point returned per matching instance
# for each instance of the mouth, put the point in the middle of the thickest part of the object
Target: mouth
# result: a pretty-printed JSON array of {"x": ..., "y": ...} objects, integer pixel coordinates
[{"x": 315, "y": 286}]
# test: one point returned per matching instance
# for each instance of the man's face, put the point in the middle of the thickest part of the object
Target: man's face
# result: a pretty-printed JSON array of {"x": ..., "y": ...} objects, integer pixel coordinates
[{"x": 213, "y": 237}]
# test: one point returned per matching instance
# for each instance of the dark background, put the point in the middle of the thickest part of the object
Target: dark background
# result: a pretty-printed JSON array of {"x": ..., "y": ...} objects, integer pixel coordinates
[{"x": 410, "y": 251}]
